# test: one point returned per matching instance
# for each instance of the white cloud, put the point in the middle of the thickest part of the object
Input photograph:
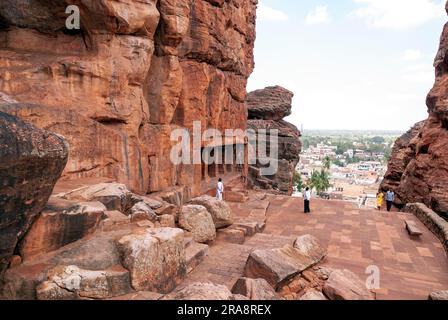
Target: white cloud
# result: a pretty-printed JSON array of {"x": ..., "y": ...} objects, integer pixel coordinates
[
  {"x": 419, "y": 73},
  {"x": 412, "y": 55},
  {"x": 318, "y": 15},
  {"x": 399, "y": 14},
  {"x": 267, "y": 13}
]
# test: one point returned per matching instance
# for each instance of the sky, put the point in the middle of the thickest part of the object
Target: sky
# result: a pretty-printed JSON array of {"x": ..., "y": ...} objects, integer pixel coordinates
[{"x": 352, "y": 64}]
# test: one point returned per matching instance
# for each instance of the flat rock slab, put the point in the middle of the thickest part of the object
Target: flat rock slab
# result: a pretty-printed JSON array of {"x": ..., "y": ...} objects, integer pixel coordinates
[
  {"x": 195, "y": 253},
  {"x": 345, "y": 285},
  {"x": 233, "y": 235},
  {"x": 276, "y": 265},
  {"x": 62, "y": 222},
  {"x": 71, "y": 282},
  {"x": 412, "y": 228}
]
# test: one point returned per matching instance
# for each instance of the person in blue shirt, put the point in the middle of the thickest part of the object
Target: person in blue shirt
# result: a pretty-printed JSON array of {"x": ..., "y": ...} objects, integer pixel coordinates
[{"x": 390, "y": 198}]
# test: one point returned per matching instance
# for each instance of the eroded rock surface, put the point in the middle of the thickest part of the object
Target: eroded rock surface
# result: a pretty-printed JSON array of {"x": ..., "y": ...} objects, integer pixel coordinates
[
  {"x": 418, "y": 171},
  {"x": 31, "y": 161},
  {"x": 133, "y": 73},
  {"x": 267, "y": 108},
  {"x": 220, "y": 210},
  {"x": 255, "y": 289},
  {"x": 197, "y": 220},
  {"x": 345, "y": 285},
  {"x": 155, "y": 258}
]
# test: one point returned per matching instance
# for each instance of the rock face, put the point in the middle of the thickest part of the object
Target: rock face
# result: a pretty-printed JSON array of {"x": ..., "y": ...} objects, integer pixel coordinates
[
  {"x": 220, "y": 210},
  {"x": 266, "y": 109},
  {"x": 155, "y": 259},
  {"x": 134, "y": 72},
  {"x": 31, "y": 161},
  {"x": 418, "y": 171}
]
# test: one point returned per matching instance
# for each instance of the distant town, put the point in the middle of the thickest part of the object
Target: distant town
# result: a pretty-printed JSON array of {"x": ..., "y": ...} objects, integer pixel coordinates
[{"x": 344, "y": 165}]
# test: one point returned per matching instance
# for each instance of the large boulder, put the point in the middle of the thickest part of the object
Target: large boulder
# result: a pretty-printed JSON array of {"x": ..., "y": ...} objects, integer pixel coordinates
[
  {"x": 271, "y": 103},
  {"x": 220, "y": 210},
  {"x": 345, "y": 285},
  {"x": 278, "y": 265},
  {"x": 197, "y": 220},
  {"x": 31, "y": 161},
  {"x": 62, "y": 222},
  {"x": 114, "y": 196},
  {"x": 142, "y": 211},
  {"x": 201, "y": 291},
  {"x": 155, "y": 258},
  {"x": 71, "y": 282},
  {"x": 309, "y": 245},
  {"x": 255, "y": 289}
]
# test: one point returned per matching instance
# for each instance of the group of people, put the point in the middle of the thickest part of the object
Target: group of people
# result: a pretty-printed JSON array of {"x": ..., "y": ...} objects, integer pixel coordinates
[{"x": 390, "y": 198}]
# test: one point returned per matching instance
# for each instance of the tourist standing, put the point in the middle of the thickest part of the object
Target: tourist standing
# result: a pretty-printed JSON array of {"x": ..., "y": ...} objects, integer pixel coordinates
[
  {"x": 307, "y": 200},
  {"x": 379, "y": 200},
  {"x": 219, "y": 190},
  {"x": 390, "y": 198}
]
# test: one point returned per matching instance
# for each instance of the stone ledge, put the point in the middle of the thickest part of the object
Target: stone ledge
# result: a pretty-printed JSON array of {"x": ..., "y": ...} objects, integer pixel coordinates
[{"x": 431, "y": 220}]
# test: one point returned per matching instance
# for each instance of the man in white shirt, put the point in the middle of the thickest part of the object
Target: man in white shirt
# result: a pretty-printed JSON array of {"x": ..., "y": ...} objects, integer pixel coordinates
[
  {"x": 219, "y": 190},
  {"x": 307, "y": 199}
]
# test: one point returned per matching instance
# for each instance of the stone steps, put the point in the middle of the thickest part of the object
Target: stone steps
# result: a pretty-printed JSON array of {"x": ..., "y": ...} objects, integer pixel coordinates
[{"x": 195, "y": 253}]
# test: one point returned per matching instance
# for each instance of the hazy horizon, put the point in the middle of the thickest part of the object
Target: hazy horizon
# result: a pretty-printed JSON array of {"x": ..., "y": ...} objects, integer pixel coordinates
[{"x": 352, "y": 64}]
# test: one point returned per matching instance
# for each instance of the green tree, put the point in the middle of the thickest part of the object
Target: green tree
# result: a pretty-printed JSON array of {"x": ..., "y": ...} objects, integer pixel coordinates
[
  {"x": 320, "y": 180},
  {"x": 298, "y": 182},
  {"x": 327, "y": 162}
]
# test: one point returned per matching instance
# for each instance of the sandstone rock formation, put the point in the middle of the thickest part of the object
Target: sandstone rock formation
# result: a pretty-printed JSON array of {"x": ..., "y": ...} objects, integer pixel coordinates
[
  {"x": 31, "y": 161},
  {"x": 254, "y": 289},
  {"x": 197, "y": 220},
  {"x": 60, "y": 223},
  {"x": 220, "y": 210},
  {"x": 345, "y": 285},
  {"x": 134, "y": 72},
  {"x": 418, "y": 170},
  {"x": 278, "y": 265},
  {"x": 439, "y": 296},
  {"x": 155, "y": 259},
  {"x": 201, "y": 291},
  {"x": 266, "y": 109},
  {"x": 71, "y": 283}
]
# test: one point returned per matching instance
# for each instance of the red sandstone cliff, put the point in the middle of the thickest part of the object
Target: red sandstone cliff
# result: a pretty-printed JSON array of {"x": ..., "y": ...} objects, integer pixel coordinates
[
  {"x": 267, "y": 108},
  {"x": 418, "y": 170},
  {"x": 118, "y": 87}
]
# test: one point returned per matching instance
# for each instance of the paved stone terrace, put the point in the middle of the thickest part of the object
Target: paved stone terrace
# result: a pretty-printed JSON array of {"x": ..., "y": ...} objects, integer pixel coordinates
[{"x": 356, "y": 238}]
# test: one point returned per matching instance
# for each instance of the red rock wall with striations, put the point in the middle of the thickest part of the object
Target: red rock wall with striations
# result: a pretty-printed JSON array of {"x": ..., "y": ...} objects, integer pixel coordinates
[
  {"x": 136, "y": 71},
  {"x": 418, "y": 170}
]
